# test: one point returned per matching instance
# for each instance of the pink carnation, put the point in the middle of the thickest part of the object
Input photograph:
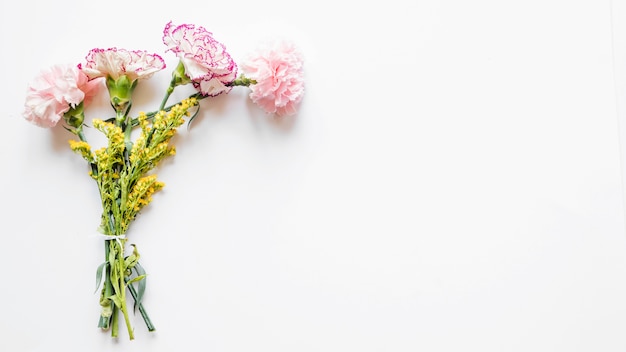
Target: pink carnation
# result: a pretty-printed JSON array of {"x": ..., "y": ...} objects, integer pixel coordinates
[
  {"x": 206, "y": 61},
  {"x": 113, "y": 62},
  {"x": 278, "y": 71},
  {"x": 54, "y": 91}
]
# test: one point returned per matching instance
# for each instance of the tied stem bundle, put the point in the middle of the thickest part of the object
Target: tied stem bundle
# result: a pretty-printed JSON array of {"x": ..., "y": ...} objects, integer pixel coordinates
[{"x": 121, "y": 172}]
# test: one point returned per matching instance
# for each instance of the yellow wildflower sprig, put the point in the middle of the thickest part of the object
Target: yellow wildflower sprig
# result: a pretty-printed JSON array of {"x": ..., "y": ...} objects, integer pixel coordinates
[
  {"x": 109, "y": 162},
  {"x": 139, "y": 197},
  {"x": 84, "y": 149},
  {"x": 134, "y": 122},
  {"x": 152, "y": 145},
  {"x": 148, "y": 150}
]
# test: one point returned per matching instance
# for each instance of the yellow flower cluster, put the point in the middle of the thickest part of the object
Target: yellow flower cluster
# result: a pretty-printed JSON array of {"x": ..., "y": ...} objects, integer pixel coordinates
[
  {"x": 139, "y": 197},
  {"x": 125, "y": 188},
  {"x": 114, "y": 135},
  {"x": 82, "y": 148},
  {"x": 152, "y": 145},
  {"x": 108, "y": 157}
]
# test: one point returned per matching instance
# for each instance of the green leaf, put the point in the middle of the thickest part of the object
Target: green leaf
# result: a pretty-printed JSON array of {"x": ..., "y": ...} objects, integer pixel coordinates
[
  {"x": 131, "y": 260},
  {"x": 116, "y": 300},
  {"x": 115, "y": 279},
  {"x": 141, "y": 285},
  {"x": 135, "y": 279},
  {"x": 112, "y": 253},
  {"x": 192, "y": 117},
  {"x": 99, "y": 275}
]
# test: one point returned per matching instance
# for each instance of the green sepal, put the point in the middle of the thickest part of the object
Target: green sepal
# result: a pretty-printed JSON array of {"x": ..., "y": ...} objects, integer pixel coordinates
[
  {"x": 179, "y": 76},
  {"x": 120, "y": 91},
  {"x": 75, "y": 115}
]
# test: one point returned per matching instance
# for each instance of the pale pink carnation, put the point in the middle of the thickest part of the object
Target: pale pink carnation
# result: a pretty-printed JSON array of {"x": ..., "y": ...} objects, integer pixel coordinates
[
  {"x": 114, "y": 62},
  {"x": 206, "y": 61},
  {"x": 278, "y": 70},
  {"x": 54, "y": 91}
]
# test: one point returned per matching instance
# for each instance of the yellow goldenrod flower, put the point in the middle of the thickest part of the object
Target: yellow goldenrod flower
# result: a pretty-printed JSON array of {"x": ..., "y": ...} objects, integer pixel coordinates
[{"x": 82, "y": 148}]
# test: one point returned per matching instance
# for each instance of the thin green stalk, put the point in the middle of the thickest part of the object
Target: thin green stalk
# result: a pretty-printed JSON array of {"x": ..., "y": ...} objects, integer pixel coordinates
[
  {"x": 168, "y": 92},
  {"x": 114, "y": 319},
  {"x": 81, "y": 136},
  {"x": 103, "y": 323},
  {"x": 134, "y": 122},
  {"x": 123, "y": 298},
  {"x": 127, "y": 142},
  {"x": 108, "y": 288},
  {"x": 142, "y": 310},
  {"x": 242, "y": 81},
  {"x": 151, "y": 114},
  {"x": 120, "y": 117}
]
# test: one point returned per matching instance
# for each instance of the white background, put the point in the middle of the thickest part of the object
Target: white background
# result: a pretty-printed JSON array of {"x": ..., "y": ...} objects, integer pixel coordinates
[{"x": 451, "y": 183}]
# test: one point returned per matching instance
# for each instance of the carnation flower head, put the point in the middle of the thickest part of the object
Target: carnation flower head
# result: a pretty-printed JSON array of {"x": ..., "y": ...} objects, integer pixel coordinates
[
  {"x": 54, "y": 91},
  {"x": 205, "y": 60},
  {"x": 278, "y": 71},
  {"x": 122, "y": 70},
  {"x": 114, "y": 62}
]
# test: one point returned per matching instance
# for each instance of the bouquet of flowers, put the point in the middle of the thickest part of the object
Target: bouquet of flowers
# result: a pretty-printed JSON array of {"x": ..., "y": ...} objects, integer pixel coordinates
[{"x": 123, "y": 168}]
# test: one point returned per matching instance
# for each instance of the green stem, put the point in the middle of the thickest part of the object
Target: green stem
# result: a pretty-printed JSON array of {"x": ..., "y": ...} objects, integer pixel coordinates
[
  {"x": 142, "y": 310},
  {"x": 81, "y": 136},
  {"x": 128, "y": 144},
  {"x": 114, "y": 322},
  {"x": 105, "y": 322},
  {"x": 120, "y": 117},
  {"x": 134, "y": 122},
  {"x": 168, "y": 92},
  {"x": 242, "y": 81},
  {"x": 151, "y": 114},
  {"x": 122, "y": 284}
]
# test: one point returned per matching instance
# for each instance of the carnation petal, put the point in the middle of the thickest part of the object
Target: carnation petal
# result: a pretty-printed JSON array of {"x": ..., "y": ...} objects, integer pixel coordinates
[
  {"x": 114, "y": 62},
  {"x": 212, "y": 87}
]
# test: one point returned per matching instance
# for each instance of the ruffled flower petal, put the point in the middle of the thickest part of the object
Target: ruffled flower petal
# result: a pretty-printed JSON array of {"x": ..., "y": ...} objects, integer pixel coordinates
[
  {"x": 206, "y": 61},
  {"x": 278, "y": 70},
  {"x": 114, "y": 62},
  {"x": 54, "y": 91}
]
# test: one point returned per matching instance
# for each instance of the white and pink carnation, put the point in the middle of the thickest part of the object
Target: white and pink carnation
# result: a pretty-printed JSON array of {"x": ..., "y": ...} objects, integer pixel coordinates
[
  {"x": 206, "y": 62},
  {"x": 54, "y": 91},
  {"x": 278, "y": 71},
  {"x": 114, "y": 62}
]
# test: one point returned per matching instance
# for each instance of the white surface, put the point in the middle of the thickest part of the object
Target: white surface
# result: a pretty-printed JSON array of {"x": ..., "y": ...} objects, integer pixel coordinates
[{"x": 452, "y": 183}]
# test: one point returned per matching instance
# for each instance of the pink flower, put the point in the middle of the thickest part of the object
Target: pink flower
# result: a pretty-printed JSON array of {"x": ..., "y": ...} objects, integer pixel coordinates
[
  {"x": 278, "y": 72},
  {"x": 54, "y": 91},
  {"x": 113, "y": 62},
  {"x": 206, "y": 61}
]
